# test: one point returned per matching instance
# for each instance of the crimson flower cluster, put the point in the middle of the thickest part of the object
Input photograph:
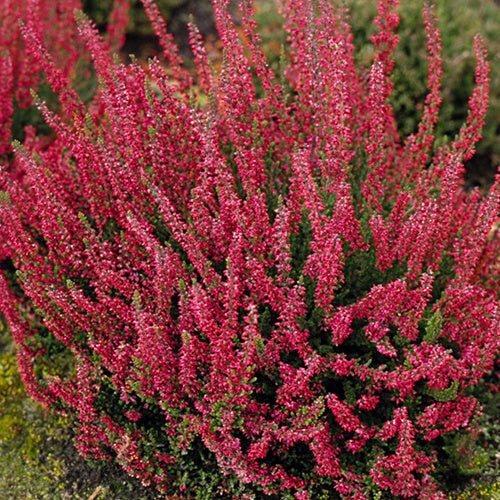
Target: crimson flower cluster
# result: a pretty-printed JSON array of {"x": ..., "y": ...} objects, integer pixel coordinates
[{"x": 252, "y": 261}]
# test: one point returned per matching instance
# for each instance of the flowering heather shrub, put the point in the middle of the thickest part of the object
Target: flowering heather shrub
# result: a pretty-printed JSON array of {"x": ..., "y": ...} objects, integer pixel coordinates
[{"x": 274, "y": 277}]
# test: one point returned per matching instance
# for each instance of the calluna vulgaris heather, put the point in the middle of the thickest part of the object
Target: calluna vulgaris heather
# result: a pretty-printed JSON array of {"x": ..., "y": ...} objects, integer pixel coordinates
[{"x": 250, "y": 261}]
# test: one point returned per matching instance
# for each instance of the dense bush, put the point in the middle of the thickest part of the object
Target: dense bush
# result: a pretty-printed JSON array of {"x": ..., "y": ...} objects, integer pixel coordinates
[{"x": 271, "y": 284}]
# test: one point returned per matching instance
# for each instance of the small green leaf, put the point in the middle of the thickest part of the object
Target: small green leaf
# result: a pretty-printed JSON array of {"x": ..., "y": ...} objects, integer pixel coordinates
[{"x": 434, "y": 327}]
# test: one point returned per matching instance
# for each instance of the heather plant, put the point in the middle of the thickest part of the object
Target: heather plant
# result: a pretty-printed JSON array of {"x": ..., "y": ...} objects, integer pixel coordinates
[
  {"x": 50, "y": 24},
  {"x": 272, "y": 284}
]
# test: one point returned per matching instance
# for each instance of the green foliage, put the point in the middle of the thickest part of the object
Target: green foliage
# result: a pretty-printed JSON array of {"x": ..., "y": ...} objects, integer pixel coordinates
[
  {"x": 433, "y": 328},
  {"x": 485, "y": 491},
  {"x": 473, "y": 457}
]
